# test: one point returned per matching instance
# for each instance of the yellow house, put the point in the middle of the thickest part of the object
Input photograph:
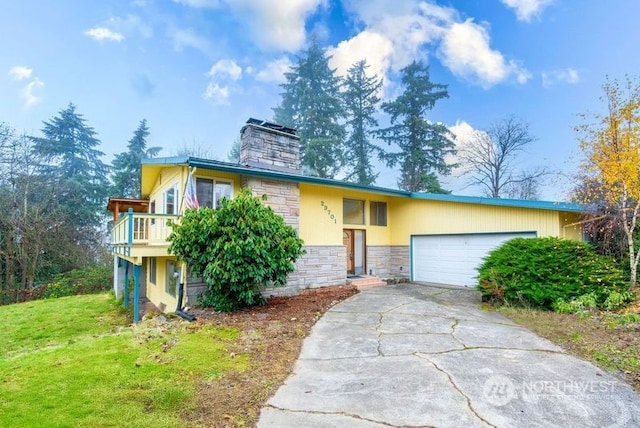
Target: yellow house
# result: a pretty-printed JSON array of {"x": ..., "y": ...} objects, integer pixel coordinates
[{"x": 349, "y": 230}]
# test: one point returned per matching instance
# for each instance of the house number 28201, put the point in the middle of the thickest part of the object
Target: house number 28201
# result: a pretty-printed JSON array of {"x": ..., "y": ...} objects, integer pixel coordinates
[{"x": 328, "y": 211}]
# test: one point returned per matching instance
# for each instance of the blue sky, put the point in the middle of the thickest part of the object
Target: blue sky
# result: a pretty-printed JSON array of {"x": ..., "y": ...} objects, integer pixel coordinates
[{"x": 198, "y": 69}]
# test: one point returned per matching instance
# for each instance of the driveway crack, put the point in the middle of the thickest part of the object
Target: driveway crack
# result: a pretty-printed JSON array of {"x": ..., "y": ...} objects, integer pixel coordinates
[
  {"x": 349, "y": 415},
  {"x": 469, "y": 404}
]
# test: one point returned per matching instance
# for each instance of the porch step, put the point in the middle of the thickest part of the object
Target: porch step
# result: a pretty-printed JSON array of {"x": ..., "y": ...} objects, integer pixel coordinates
[{"x": 367, "y": 282}]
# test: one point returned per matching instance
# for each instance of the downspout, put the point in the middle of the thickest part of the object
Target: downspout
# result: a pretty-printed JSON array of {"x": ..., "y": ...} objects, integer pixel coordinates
[{"x": 179, "y": 310}]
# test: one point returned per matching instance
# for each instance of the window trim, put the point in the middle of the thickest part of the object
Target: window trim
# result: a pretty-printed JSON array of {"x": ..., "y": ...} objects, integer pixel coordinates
[
  {"x": 176, "y": 198},
  {"x": 364, "y": 209},
  {"x": 215, "y": 181},
  {"x": 386, "y": 213}
]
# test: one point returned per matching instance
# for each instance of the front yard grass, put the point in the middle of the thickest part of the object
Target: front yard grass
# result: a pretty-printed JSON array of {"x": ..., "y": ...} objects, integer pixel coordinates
[
  {"x": 609, "y": 340},
  {"x": 73, "y": 362}
]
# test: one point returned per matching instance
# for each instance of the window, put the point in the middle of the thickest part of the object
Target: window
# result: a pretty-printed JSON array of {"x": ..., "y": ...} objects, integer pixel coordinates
[
  {"x": 153, "y": 265},
  {"x": 170, "y": 198},
  {"x": 211, "y": 191},
  {"x": 152, "y": 207},
  {"x": 173, "y": 277},
  {"x": 378, "y": 213},
  {"x": 353, "y": 211}
]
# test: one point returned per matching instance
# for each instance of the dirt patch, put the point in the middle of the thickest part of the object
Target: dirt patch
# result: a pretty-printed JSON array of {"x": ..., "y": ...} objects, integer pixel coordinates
[{"x": 271, "y": 336}]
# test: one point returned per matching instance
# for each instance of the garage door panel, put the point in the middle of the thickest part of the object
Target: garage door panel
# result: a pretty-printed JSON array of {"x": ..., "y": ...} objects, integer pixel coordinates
[{"x": 453, "y": 259}]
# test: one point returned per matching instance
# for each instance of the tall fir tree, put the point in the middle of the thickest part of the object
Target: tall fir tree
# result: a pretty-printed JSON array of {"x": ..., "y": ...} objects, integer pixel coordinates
[
  {"x": 126, "y": 166},
  {"x": 72, "y": 161},
  {"x": 311, "y": 104},
  {"x": 423, "y": 144},
  {"x": 360, "y": 98}
]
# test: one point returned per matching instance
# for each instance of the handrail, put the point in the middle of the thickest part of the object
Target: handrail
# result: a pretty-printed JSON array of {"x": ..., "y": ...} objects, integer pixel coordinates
[{"x": 141, "y": 229}]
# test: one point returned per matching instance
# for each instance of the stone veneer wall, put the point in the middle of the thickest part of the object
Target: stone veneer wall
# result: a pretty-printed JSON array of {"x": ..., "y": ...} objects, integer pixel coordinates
[
  {"x": 282, "y": 196},
  {"x": 269, "y": 148},
  {"x": 321, "y": 266},
  {"x": 400, "y": 261},
  {"x": 379, "y": 260}
]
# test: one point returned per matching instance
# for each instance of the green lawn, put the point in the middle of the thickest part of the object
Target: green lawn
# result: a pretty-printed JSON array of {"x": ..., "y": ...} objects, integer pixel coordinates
[{"x": 74, "y": 361}]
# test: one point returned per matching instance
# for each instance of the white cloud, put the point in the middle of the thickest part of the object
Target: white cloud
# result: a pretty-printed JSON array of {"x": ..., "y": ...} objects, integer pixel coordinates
[
  {"x": 527, "y": 9},
  {"x": 396, "y": 33},
  {"x": 274, "y": 71},
  {"x": 465, "y": 50},
  {"x": 568, "y": 75},
  {"x": 221, "y": 75},
  {"x": 374, "y": 47},
  {"x": 276, "y": 24},
  {"x": 225, "y": 68},
  {"x": 104, "y": 34},
  {"x": 29, "y": 93},
  {"x": 217, "y": 94},
  {"x": 20, "y": 72}
]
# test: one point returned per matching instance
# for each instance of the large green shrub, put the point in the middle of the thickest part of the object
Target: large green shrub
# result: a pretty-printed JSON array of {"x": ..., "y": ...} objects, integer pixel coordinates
[
  {"x": 543, "y": 272},
  {"x": 238, "y": 249}
]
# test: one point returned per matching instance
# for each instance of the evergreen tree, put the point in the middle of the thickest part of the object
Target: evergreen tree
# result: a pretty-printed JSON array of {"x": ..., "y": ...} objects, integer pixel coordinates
[
  {"x": 71, "y": 163},
  {"x": 360, "y": 97},
  {"x": 126, "y": 165},
  {"x": 311, "y": 104},
  {"x": 423, "y": 144},
  {"x": 234, "y": 153}
]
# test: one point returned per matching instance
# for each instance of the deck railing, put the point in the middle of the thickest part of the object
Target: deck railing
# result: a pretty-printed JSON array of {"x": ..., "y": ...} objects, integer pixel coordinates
[{"x": 141, "y": 229}]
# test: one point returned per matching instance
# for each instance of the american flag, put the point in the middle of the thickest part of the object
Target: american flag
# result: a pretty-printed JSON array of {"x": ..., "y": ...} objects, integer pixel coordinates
[{"x": 190, "y": 194}]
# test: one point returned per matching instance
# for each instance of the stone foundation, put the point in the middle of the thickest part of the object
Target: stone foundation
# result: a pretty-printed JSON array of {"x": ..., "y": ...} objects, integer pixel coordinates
[
  {"x": 379, "y": 260},
  {"x": 400, "y": 261},
  {"x": 321, "y": 266}
]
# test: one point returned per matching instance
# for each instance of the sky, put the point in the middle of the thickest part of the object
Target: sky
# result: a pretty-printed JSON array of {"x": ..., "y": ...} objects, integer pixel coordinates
[{"x": 196, "y": 70}]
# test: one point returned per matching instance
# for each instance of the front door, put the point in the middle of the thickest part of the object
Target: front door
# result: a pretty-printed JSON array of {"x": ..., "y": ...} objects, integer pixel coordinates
[{"x": 347, "y": 241}]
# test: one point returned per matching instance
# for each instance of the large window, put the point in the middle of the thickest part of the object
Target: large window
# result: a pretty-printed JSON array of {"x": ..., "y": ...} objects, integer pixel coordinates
[
  {"x": 211, "y": 191},
  {"x": 353, "y": 211},
  {"x": 378, "y": 213},
  {"x": 170, "y": 198}
]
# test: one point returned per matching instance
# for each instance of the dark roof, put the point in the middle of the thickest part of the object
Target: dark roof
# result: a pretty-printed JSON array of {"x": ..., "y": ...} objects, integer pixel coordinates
[
  {"x": 272, "y": 125},
  {"x": 287, "y": 176}
]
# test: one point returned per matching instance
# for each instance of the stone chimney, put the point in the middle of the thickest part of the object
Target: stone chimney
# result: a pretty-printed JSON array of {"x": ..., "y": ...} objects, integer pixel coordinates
[{"x": 269, "y": 146}]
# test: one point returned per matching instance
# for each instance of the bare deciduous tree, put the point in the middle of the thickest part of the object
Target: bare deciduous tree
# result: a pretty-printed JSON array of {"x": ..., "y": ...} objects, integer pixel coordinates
[{"x": 489, "y": 157}]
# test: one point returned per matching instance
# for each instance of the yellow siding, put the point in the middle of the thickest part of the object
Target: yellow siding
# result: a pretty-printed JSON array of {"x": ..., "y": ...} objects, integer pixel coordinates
[
  {"x": 427, "y": 217},
  {"x": 570, "y": 229},
  {"x": 156, "y": 293},
  {"x": 318, "y": 228},
  {"x": 177, "y": 176}
]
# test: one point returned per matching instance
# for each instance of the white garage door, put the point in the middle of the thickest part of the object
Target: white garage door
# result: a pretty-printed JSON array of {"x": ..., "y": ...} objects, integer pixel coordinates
[{"x": 453, "y": 259}]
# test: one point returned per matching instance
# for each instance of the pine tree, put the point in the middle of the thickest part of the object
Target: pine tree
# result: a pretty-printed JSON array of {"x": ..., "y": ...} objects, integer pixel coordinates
[
  {"x": 423, "y": 144},
  {"x": 126, "y": 165},
  {"x": 311, "y": 104},
  {"x": 360, "y": 97},
  {"x": 71, "y": 161},
  {"x": 68, "y": 161}
]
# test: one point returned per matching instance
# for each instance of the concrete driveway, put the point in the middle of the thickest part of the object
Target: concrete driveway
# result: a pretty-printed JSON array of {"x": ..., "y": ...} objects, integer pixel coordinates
[{"x": 414, "y": 355}]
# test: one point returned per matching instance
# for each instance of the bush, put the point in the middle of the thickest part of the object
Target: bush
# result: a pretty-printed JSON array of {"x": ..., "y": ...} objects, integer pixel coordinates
[
  {"x": 551, "y": 273},
  {"x": 238, "y": 249},
  {"x": 96, "y": 279}
]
